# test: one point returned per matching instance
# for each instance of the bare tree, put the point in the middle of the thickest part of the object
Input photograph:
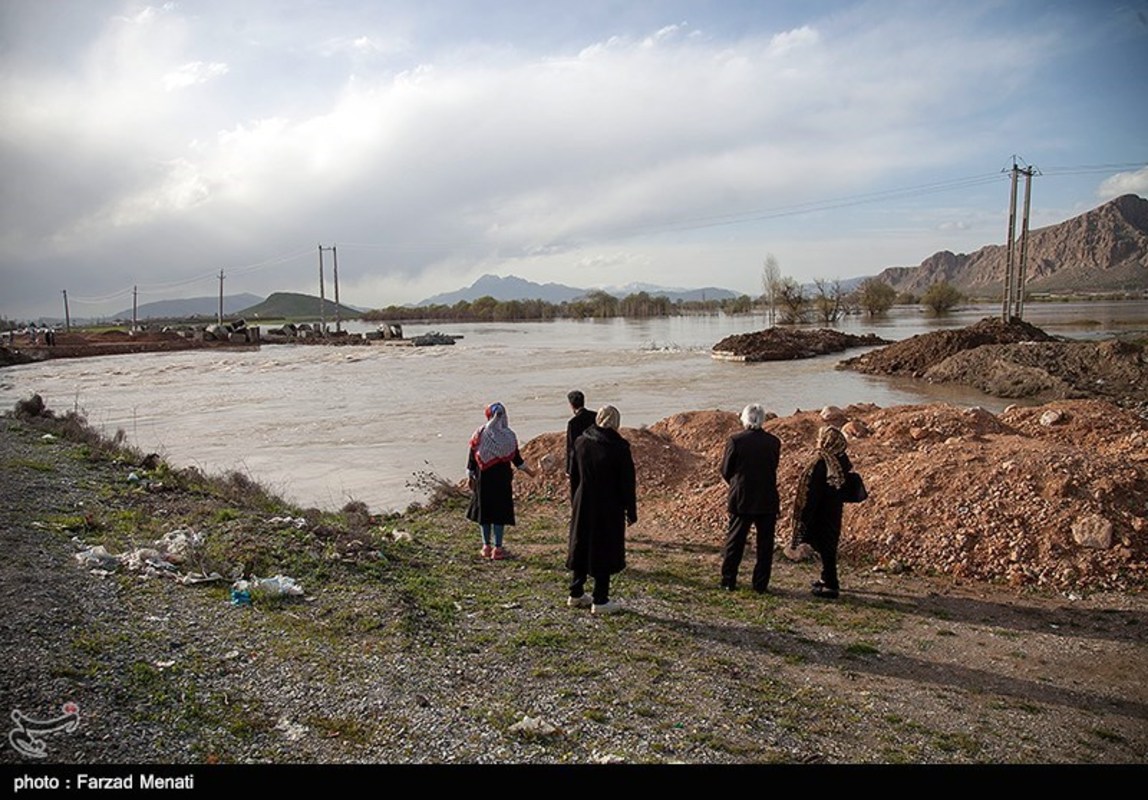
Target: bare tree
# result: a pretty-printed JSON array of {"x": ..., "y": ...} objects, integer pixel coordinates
[
  {"x": 827, "y": 300},
  {"x": 794, "y": 305},
  {"x": 771, "y": 281}
]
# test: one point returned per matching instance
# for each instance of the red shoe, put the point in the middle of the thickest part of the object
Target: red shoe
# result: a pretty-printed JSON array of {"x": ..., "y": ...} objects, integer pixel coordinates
[
  {"x": 498, "y": 554},
  {"x": 486, "y": 551}
]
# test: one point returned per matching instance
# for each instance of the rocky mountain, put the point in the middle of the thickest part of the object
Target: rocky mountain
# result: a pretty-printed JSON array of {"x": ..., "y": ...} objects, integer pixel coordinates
[
  {"x": 514, "y": 288},
  {"x": 1104, "y": 249}
]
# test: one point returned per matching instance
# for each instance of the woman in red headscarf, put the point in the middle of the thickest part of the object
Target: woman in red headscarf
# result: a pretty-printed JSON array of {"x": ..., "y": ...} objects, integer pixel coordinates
[{"x": 490, "y": 470}]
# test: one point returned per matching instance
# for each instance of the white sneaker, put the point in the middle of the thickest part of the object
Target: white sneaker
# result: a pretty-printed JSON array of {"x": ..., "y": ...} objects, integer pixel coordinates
[
  {"x": 609, "y": 607},
  {"x": 585, "y": 601}
]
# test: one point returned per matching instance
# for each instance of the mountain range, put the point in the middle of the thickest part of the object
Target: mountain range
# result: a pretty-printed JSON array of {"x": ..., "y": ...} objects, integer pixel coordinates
[
  {"x": 1105, "y": 249},
  {"x": 192, "y": 307},
  {"x": 512, "y": 287}
]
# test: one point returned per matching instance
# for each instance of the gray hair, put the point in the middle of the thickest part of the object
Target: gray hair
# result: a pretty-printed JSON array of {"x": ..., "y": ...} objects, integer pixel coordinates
[{"x": 752, "y": 415}]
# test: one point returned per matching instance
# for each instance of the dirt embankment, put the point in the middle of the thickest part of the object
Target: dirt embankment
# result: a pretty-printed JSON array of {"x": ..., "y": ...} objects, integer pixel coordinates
[
  {"x": 1017, "y": 360},
  {"x": 784, "y": 344},
  {"x": 107, "y": 343},
  {"x": 1053, "y": 496}
]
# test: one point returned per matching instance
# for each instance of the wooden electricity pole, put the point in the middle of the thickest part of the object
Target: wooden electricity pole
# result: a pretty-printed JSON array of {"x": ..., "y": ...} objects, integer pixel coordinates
[
  {"x": 67, "y": 316},
  {"x": 1016, "y": 268},
  {"x": 219, "y": 316},
  {"x": 338, "y": 318},
  {"x": 322, "y": 295},
  {"x": 135, "y": 309}
]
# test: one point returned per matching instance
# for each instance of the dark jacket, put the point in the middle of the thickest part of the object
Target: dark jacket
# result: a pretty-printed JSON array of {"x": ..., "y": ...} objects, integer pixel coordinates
[
  {"x": 493, "y": 498},
  {"x": 823, "y": 507},
  {"x": 606, "y": 499},
  {"x": 579, "y": 422},
  {"x": 749, "y": 466}
]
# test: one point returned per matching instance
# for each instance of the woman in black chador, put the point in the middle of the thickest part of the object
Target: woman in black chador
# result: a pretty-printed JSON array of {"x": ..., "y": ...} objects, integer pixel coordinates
[
  {"x": 818, "y": 507},
  {"x": 604, "y": 503}
]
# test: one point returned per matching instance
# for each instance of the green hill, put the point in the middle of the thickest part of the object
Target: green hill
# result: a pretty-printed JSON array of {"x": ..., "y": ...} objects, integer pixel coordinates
[{"x": 293, "y": 306}]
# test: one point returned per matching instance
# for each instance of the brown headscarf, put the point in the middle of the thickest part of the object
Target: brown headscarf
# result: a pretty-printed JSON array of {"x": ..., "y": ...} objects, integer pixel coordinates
[{"x": 831, "y": 443}]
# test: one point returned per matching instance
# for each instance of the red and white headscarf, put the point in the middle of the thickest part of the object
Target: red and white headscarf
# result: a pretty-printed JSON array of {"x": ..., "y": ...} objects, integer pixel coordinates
[{"x": 494, "y": 442}]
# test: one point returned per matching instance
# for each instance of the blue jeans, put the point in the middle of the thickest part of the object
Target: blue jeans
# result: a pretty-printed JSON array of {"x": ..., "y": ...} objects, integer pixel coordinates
[{"x": 494, "y": 528}]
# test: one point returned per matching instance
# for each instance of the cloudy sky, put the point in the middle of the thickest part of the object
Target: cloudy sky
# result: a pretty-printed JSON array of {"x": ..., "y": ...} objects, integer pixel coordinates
[{"x": 591, "y": 143}]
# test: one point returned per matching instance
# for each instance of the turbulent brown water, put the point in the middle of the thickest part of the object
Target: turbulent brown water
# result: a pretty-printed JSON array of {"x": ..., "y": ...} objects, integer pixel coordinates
[{"x": 327, "y": 425}]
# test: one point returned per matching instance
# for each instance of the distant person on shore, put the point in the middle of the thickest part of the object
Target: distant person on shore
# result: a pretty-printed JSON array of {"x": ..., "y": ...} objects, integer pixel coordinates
[
  {"x": 818, "y": 507},
  {"x": 605, "y": 502},
  {"x": 490, "y": 474},
  {"x": 581, "y": 419},
  {"x": 749, "y": 466}
]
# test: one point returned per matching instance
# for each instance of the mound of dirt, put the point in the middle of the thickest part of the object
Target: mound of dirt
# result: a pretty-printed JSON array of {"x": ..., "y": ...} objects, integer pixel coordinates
[
  {"x": 915, "y": 355},
  {"x": 1112, "y": 369},
  {"x": 1053, "y": 496},
  {"x": 784, "y": 344}
]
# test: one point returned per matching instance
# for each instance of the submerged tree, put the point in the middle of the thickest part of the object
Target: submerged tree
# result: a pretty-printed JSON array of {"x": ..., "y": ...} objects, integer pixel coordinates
[
  {"x": 941, "y": 297},
  {"x": 794, "y": 305},
  {"x": 827, "y": 300},
  {"x": 771, "y": 283},
  {"x": 876, "y": 296}
]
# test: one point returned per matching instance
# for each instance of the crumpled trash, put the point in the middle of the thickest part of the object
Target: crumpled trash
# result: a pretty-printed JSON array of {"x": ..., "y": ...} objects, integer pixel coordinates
[
  {"x": 97, "y": 558},
  {"x": 276, "y": 586},
  {"x": 298, "y": 522},
  {"x": 177, "y": 545},
  {"x": 147, "y": 560},
  {"x": 293, "y": 731},
  {"x": 192, "y": 578},
  {"x": 241, "y": 593},
  {"x": 400, "y": 536},
  {"x": 534, "y": 726}
]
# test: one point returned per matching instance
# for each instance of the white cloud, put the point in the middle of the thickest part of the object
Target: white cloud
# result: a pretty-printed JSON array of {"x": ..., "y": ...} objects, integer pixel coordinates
[
  {"x": 1124, "y": 183},
  {"x": 193, "y": 73},
  {"x": 620, "y": 156}
]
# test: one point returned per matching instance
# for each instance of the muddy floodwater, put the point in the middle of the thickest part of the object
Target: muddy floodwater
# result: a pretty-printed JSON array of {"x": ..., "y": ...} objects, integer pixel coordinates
[{"x": 325, "y": 425}]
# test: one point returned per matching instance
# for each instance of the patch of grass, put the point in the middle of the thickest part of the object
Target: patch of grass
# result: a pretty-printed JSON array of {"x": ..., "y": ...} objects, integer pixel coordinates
[
  {"x": 957, "y": 742},
  {"x": 596, "y": 715},
  {"x": 1108, "y": 736},
  {"x": 861, "y": 649},
  {"x": 28, "y": 463},
  {"x": 349, "y": 730}
]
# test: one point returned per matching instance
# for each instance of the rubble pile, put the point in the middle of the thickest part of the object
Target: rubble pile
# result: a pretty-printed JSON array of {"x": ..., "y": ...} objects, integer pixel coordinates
[
  {"x": 915, "y": 355},
  {"x": 783, "y": 344}
]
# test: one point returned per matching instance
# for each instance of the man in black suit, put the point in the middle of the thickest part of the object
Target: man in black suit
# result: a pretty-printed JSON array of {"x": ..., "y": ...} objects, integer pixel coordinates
[
  {"x": 749, "y": 466},
  {"x": 579, "y": 422}
]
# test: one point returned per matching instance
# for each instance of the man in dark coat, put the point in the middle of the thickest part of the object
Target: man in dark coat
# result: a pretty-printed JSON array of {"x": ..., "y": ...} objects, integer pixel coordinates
[
  {"x": 749, "y": 466},
  {"x": 581, "y": 419},
  {"x": 604, "y": 503}
]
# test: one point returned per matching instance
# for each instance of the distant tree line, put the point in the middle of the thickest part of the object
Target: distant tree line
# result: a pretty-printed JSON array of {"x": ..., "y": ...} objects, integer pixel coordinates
[
  {"x": 785, "y": 301},
  {"x": 595, "y": 305}
]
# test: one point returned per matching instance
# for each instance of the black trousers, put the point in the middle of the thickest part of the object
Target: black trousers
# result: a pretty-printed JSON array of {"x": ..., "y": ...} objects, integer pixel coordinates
[
  {"x": 601, "y": 587},
  {"x": 734, "y": 548}
]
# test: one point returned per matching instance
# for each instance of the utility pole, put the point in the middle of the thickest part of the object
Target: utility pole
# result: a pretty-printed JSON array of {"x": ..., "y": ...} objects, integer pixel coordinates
[
  {"x": 219, "y": 315},
  {"x": 322, "y": 295},
  {"x": 338, "y": 318},
  {"x": 1023, "y": 268},
  {"x": 1006, "y": 305},
  {"x": 67, "y": 316},
  {"x": 135, "y": 309},
  {"x": 1016, "y": 268}
]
